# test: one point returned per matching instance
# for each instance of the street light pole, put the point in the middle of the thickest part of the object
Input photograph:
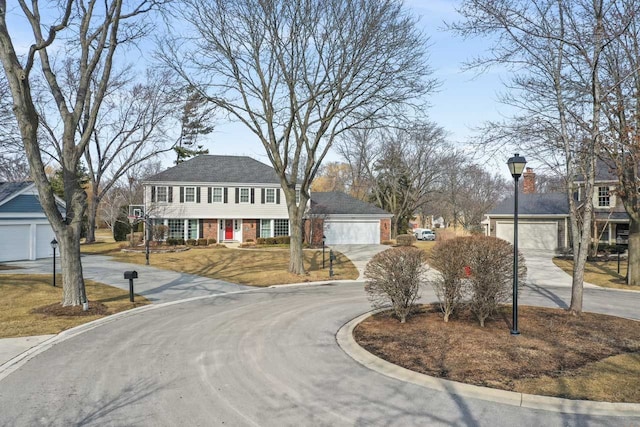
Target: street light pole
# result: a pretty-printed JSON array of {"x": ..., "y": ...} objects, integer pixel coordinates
[
  {"x": 54, "y": 245},
  {"x": 516, "y": 166}
]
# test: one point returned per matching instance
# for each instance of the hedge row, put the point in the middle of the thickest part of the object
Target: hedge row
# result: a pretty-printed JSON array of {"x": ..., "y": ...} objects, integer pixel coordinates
[
  {"x": 280, "y": 240},
  {"x": 190, "y": 242}
]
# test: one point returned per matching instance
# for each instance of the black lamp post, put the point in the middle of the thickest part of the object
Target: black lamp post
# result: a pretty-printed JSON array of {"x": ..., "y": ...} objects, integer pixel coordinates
[
  {"x": 516, "y": 167},
  {"x": 54, "y": 246},
  {"x": 323, "y": 237}
]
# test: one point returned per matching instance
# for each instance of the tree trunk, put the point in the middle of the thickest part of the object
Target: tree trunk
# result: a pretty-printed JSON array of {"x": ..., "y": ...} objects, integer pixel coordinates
[
  {"x": 633, "y": 254},
  {"x": 73, "y": 292},
  {"x": 92, "y": 213},
  {"x": 296, "y": 224}
]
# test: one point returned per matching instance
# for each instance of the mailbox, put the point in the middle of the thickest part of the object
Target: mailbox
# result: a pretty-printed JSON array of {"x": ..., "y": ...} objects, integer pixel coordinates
[{"x": 131, "y": 274}]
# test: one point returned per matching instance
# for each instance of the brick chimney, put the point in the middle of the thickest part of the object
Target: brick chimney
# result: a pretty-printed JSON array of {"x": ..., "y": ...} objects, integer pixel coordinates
[{"x": 529, "y": 182}]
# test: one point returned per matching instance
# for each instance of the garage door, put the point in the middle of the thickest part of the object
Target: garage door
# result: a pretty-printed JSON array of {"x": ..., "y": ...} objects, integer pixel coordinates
[
  {"x": 531, "y": 235},
  {"x": 15, "y": 242},
  {"x": 352, "y": 232},
  {"x": 44, "y": 236}
]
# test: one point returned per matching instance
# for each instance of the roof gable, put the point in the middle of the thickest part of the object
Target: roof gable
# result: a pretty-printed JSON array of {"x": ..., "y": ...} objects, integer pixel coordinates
[
  {"x": 23, "y": 203},
  {"x": 219, "y": 169},
  {"x": 9, "y": 190},
  {"x": 338, "y": 203}
]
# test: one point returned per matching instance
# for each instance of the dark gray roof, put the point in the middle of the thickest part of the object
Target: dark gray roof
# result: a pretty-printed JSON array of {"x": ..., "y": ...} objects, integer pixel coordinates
[
  {"x": 535, "y": 204},
  {"x": 219, "y": 169},
  {"x": 338, "y": 203},
  {"x": 7, "y": 189}
]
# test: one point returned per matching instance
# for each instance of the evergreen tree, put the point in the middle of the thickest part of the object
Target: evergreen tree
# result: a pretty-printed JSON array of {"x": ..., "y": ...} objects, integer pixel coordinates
[{"x": 195, "y": 121}]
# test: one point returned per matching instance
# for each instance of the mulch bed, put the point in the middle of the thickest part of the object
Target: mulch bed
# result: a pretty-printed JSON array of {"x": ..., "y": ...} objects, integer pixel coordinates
[
  {"x": 95, "y": 309},
  {"x": 552, "y": 343}
]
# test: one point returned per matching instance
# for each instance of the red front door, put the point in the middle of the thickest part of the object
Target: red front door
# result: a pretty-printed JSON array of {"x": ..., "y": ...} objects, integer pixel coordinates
[{"x": 228, "y": 229}]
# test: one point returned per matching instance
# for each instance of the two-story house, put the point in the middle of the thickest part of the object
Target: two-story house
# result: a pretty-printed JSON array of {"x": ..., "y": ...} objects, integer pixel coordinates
[
  {"x": 543, "y": 218},
  {"x": 237, "y": 198}
]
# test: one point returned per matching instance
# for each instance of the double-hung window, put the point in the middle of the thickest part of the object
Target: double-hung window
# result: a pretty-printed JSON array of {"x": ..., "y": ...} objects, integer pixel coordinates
[
  {"x": 604, "y": 197},
  {"x": 161, "y": 194},
  {"x": 190, "y": 194},
  {"x": 265, "y": 228},
  {"x": 270, "y": 195},
  {"x": 244, "y": 195},
  {"x": 216, "y": 195}
]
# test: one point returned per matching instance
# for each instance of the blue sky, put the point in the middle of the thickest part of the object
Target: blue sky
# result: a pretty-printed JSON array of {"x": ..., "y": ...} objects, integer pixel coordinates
[{"x": 463, "y": 101}]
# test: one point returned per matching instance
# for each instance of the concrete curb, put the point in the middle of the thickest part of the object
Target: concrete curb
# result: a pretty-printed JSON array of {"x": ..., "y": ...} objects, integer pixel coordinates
[{"x": 345, "y": 340}]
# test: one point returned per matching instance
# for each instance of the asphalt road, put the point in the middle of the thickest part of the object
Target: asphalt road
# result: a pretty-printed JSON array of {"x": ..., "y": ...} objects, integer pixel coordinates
[{"x": 267, "y": 357}]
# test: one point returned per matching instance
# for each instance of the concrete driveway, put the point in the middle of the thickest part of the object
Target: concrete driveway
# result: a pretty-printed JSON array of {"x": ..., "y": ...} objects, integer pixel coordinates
[
  {"x": 360, "y": 254},
  {"x": 541, "y": 271}
]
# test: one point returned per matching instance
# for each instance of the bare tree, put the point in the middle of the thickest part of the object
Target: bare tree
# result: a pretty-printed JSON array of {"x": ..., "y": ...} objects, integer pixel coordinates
[
  {"x": 93, "y": 31},
  {"x": 131, "y": 129},
  {"x": 298, "y": 74},
  {"x": 402, "y": 164},
  {"x": 621, "y": 107},
  {"x": 555, "y": 49}
]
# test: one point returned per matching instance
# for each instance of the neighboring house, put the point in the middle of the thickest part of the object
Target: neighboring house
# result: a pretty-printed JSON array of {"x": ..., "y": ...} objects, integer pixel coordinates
[
  {"x": 346, "y": 220},
  {"x": 236, "y": 198},
  {"x": 24, "y": 228},
  {"x": 543, "y": 218}
]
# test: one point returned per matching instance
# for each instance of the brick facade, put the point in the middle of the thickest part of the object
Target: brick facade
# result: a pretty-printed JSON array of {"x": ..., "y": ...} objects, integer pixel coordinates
[
  {"x": 385, "y": 229},
  {"x": 249, "y": 229},
  {"x": 210, "y": 228},
  {"x": 318, "y": 230}
]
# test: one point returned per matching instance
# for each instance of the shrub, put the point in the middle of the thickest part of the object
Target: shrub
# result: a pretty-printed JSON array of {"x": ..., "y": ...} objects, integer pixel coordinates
[
  {"x": 202, "y": 242},
  {"x": 171, "y": 241},
  {"x": 211, "y": 241},
  {"x": 283, "y": 240},
  {"x": 158, "y": 232},
  {"x": 449, "y": 258},
  {"x": 249, "y": 241},
  {"x": 180, "y": 241},
  {"x": 271, "y": 241},
  {"x": 388, "y": 242},
  {"x": 394, "y": 277},
  {"x": 121, "y": 228},
  {"x": 405, "y": 239},
  {"x": 192, "y": 242},
  {"x": 261, "y": 241},
  {"x": 491, "y": 262}
]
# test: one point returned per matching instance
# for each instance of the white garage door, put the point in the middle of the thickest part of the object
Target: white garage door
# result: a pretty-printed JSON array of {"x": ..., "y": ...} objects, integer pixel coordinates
[
  {"x": 349, "y": 232},
  {"x": 14, "y": 242},
  {"x": 44, "y": 236},
  {"x": 531, "y": 235}
]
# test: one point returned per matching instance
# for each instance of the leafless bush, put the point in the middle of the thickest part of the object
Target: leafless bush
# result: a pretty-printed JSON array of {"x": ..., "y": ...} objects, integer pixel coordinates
[
  {"x": 405, "y": 239},
  {"x": 478, "y": 269},
  {"x": 158, "y": 232},
  {"x": 449, "y": 258},
  {"x": 491, "y": 262},
  {"x": 394, "y": 277}
]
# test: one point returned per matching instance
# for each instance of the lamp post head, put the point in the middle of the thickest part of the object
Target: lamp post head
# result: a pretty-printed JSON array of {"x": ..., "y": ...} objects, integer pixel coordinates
[
  {"x": 516, "y": 165},
  {"x": 54, "y": 243}
]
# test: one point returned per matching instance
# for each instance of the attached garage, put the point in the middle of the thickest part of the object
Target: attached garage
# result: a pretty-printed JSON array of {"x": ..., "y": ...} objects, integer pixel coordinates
[
  {"x": 531, "y": 235},
  {"x": 351, "y": 231},
  {"x": 345, "y": 220},
  {"x": 15, "y": 242},
  {"x": 25, "y": 232}
]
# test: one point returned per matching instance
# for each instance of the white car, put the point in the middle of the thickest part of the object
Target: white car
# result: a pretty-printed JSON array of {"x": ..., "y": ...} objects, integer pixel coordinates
[{"x": 425, "y": 235}]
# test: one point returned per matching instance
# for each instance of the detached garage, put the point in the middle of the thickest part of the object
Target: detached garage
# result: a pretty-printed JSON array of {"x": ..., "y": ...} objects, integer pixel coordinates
[
  {"x": 542, "y": 221},
  {"x": 25, "y": 231},
  {"x": 345, "y": 220}
]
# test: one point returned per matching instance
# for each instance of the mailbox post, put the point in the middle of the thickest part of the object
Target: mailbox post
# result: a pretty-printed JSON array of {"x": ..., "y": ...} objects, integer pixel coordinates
[
  {"x": 131, "y": 275},
  {"x": 332, "y": 258}
]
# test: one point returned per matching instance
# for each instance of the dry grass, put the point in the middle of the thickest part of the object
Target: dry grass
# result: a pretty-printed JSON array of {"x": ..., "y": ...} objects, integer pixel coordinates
[
  {"x": 591, "y": 356},
  {"x": 601, "y": 273},
  {"x": 24, "y": 295},
  {"x": 426, "y": 246},
  {"x": 257, "y": 267}
]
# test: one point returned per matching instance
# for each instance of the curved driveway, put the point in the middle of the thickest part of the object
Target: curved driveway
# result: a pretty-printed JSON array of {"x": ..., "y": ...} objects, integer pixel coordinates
[{"x": 267, "y": 357}]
